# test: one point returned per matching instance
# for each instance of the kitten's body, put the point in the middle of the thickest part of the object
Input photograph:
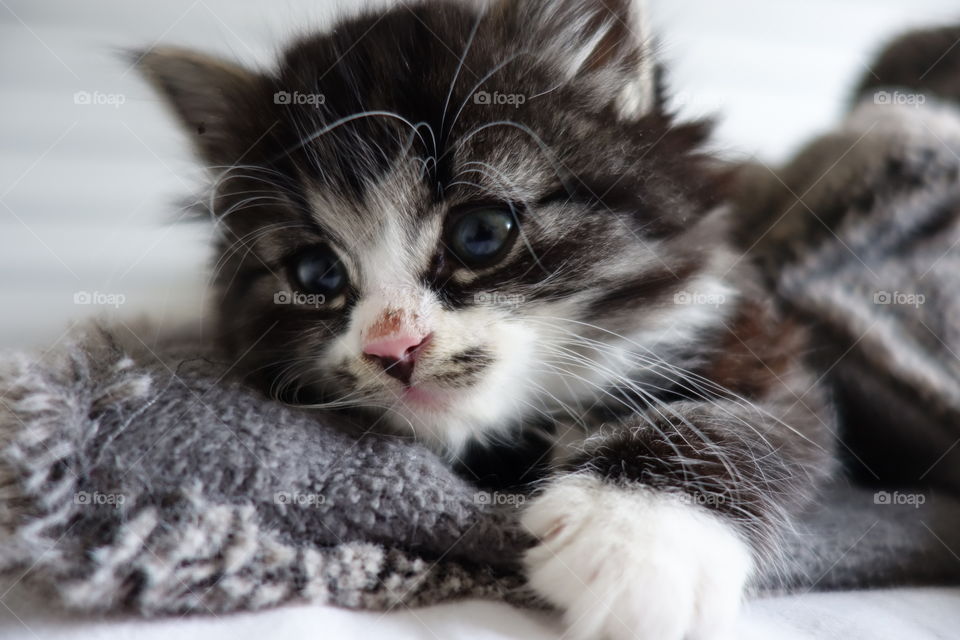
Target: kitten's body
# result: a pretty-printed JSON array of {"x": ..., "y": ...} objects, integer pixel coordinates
[{"x": 687, "y": 430}]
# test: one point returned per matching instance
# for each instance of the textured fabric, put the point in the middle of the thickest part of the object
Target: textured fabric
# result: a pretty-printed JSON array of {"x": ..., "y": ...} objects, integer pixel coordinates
[
  {"x": 860, "y": 235},
  {"x": 145, "y": 479}
]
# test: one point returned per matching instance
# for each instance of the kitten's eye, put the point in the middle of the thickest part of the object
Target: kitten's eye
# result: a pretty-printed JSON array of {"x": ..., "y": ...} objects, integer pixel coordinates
[
  {"x": 482, "y": 236},
  {"x": 318, "y": 270}
]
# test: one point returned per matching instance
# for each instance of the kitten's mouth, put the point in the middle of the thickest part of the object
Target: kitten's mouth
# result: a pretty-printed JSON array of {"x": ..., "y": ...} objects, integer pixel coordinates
[{"x": 421, "y": 397}]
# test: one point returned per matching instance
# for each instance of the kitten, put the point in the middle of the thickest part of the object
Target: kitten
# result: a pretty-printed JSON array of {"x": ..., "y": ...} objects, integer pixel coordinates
[{"x": 470, "y": 220}]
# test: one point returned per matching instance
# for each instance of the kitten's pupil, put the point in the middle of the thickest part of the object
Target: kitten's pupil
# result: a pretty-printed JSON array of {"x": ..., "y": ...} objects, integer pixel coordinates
[
  {"x": 482, "y": 236},
  {"x": 318, "y": 270}
]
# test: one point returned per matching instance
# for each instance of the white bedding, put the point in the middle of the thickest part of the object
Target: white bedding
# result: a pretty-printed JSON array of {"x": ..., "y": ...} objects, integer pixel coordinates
[
  {"x": 919, "y": 614},
  {"x": 85, "y": 190}
]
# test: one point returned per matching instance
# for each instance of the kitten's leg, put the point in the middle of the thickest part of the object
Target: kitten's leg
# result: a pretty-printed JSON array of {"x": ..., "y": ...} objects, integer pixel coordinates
[{"x": 653, "y": 529}]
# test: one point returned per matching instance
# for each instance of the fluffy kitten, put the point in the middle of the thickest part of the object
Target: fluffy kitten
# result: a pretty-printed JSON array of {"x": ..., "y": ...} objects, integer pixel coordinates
[{"x": 471, "y": 220}]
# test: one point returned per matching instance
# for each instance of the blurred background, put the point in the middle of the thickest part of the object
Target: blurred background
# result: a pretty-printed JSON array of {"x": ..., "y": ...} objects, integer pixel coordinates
[{"x": 93, "y": 173}]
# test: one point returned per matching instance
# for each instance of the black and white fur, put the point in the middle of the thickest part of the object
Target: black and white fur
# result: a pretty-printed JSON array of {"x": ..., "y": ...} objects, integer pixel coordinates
[{"x": 685, "y": 428}]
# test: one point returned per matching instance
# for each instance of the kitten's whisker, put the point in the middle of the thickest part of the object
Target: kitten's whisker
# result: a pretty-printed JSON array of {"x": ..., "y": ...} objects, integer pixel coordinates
[
  {"x": 686, "y": 374},
  {"x": 650, "y": 399},
  {"x": 575, "y": 416},
  {"x": 637, "y": 411},
  {"x": 456, "y": 74},
  {"x": 592, "y": 365},
  {"x": 322, "y": 131},
  {"x": 720, "y": 452},
  {"x": 483, "y": 80},
  {"x": 246, "y": 242},
  {"x": 543, "y": 146}
]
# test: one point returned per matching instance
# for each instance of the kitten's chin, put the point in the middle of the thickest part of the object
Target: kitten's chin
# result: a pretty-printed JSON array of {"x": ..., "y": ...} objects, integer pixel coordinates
[{"x": 448, "y": 419}]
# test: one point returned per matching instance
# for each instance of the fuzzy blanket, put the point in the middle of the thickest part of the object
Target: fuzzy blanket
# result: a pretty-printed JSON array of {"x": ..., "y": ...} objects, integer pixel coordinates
[
  {"x": 142, "y": 477},
  {"x": 860, "y": 236}
]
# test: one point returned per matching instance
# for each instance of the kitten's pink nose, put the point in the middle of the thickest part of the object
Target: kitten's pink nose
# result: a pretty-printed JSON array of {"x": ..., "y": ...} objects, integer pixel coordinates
[{"x": 397, "y": 354}]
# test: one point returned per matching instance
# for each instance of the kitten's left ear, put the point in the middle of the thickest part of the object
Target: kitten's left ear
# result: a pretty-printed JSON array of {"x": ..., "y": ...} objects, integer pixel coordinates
[
  {"x": 605, "y": 42},
  {"x": 215, "y": 100}
]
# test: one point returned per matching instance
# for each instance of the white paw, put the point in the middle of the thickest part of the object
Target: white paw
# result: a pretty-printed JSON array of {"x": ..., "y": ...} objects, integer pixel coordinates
[{"x": 635, "y": 564}]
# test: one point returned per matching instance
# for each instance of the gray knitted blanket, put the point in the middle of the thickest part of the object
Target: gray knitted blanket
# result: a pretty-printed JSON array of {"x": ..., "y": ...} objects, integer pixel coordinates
[
  {"x": 139, "y": 475},
  {"x": 142, "y": 476},
  {"x": 861, "y": 237}
]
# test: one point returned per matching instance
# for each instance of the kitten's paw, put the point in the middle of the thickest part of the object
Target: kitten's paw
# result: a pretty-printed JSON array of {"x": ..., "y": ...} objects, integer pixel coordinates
[{"x": 634, "y": 564}]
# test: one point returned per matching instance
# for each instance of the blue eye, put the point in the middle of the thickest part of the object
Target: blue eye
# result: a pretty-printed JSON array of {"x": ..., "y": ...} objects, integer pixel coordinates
[
  {"x": 318, "y": 270},
  {"x": 480, "y": 237}
]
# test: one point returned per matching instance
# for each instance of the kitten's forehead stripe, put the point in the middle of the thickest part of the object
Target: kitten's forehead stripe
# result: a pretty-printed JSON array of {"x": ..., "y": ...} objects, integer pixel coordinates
[{"x": 369, "y": 74}]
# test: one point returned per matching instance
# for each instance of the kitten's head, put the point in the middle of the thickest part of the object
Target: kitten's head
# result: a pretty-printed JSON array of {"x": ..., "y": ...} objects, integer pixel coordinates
[{"x": 458, "y": 216}]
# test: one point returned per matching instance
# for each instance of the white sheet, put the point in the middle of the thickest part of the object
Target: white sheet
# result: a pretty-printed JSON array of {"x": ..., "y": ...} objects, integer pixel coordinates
[
  {"x": 85, "y": 189},
  {"x": 916, "y": 614}
]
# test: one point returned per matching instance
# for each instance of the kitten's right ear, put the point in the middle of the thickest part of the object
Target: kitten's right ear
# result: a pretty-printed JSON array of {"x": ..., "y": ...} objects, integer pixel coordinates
[
  {"x": 211, "y": 97},
  {"x": 606, "y": 42}
]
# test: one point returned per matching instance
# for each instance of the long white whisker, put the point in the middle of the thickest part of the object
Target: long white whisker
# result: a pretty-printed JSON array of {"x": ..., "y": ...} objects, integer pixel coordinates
[{"x": 460, "y": 64}]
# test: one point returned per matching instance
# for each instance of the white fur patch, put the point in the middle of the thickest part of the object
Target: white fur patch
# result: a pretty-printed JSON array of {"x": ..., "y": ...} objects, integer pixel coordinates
[{"x": 635, "y": 564}]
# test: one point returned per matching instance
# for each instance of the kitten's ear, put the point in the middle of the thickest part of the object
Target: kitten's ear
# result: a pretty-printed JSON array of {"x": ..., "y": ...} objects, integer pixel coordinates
[
  {"x": 211, "y": 97},
  {"x": 605, "y": 41}
]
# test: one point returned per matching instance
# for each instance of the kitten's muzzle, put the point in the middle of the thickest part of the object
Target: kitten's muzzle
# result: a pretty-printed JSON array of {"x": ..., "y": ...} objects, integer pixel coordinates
[{"x": 397, "y": 354}]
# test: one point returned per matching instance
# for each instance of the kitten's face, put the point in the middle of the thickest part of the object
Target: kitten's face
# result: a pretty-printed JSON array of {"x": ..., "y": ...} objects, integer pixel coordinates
[{"x": 458, "y": 220}]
